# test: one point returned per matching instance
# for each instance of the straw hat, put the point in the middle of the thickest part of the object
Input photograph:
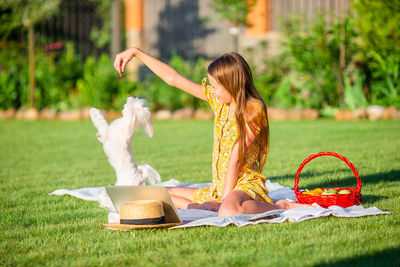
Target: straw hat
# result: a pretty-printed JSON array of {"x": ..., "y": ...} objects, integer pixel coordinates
[{"x": 141, "y": 214}]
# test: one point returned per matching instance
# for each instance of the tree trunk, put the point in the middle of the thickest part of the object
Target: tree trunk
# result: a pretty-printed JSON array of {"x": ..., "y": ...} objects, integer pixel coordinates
[
  {"x": 342, "y": 57},
  {"x": 236, "y": 43},
  {"x": 32, "y": 78}
]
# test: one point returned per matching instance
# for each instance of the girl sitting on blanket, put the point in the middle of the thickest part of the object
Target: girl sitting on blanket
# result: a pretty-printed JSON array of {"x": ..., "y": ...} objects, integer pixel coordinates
[{"x": 241, "y": 135}]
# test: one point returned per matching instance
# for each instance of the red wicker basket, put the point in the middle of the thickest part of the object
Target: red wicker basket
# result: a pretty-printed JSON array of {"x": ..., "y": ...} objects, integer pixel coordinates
[{"x": 342, "y": 200}]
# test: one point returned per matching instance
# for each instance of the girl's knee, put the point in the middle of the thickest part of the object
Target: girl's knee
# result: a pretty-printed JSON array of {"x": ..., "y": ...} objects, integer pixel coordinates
[
  {"x": 174, "y": 191},
  {"x": 230, "y": 210},
  {"x": 170, "y": 190},
  {"x": 233, "y": 204}
]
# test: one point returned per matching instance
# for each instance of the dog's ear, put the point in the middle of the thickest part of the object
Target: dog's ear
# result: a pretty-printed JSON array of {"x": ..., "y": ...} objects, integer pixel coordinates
[
  {"x": 144, "y": 117},
  {"x": 137, "y": 112}
]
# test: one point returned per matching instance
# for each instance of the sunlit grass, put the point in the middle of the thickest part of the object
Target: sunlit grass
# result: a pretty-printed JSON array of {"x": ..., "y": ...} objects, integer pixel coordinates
[{"x": 37, "y": 158}]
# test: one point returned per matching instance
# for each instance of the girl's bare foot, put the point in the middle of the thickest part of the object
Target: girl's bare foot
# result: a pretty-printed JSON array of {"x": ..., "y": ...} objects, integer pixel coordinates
[{"x": 287, "y": 205}]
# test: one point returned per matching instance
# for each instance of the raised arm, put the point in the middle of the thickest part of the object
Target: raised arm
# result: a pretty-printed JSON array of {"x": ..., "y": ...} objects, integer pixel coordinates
[{"x": 162, "y": 70}]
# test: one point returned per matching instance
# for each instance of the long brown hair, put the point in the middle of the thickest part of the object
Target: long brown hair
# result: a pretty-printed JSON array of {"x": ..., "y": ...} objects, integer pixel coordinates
[{"x": 234, "y": 74}]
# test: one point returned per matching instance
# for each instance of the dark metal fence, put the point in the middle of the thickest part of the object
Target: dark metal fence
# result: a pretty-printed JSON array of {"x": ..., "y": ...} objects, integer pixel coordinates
[
  {"x": 188, "y": 27},
  {"x": 282, "y": 9},
  {"x": 73, "y": 23}
]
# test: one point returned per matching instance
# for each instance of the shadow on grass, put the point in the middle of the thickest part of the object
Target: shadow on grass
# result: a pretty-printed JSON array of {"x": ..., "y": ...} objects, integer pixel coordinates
[
  {"x": 370, "y": 199},
  {"x": 390, "y": 176},
  {"x": 349, "y": 181},
  {"x": 387, "y": 257},
  {"x": 307, "y": 174}
]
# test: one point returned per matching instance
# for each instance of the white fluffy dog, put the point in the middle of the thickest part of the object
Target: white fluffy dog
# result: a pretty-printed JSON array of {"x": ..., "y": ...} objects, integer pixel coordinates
[{"x": 116, "y": 138}]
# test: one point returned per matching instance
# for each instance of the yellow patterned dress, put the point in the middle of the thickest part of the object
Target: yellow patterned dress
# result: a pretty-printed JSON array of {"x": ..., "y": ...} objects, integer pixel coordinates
[{"x": 225, "y": 136}]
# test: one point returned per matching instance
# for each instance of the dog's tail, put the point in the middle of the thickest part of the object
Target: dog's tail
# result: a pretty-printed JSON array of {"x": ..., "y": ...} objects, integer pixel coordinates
[{"x": 151, "y": 175}]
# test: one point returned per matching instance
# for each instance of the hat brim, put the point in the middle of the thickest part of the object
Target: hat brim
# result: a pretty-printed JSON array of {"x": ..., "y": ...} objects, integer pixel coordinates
[{"x": 127, "y": 227}]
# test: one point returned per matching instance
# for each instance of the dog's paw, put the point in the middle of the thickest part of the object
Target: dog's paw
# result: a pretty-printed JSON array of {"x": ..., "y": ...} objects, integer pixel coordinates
[
  {"x": 97, "y": 117},
  {"x": 93, "y": 112}
]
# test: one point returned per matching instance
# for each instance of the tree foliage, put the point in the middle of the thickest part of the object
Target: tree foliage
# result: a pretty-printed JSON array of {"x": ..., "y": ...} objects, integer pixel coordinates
[
  {"x": 235, "y": 11},
  {"x": 27, "y": 12},
  {"x": 378, "y": 25}
]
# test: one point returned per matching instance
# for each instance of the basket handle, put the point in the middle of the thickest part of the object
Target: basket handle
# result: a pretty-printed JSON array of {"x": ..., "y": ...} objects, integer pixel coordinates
[{"x": 296, "y": 181}]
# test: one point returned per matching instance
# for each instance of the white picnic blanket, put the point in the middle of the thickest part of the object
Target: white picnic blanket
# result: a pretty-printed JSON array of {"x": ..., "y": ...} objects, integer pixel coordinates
[{"x": 193, "y": 217}]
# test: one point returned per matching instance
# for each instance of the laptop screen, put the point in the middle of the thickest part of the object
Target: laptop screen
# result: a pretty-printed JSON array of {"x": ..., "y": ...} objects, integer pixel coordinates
[{"x": 124, "y": 194}]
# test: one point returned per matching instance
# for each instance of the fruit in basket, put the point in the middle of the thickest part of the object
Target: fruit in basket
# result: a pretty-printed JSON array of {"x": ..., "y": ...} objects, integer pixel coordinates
[
  {"x": 329, "y": 192},
  {"x": 307, "y": 192},
  {"x": 344, "y": 191},
  {"x": 315, "y": 192}
]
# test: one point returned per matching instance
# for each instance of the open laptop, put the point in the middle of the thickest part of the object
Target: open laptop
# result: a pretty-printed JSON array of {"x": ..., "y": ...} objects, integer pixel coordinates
[{"x": 123, "y": 194}]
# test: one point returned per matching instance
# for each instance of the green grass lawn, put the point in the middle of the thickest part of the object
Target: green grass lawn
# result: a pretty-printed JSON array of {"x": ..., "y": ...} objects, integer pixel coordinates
[{"x": 37, "y": 158}]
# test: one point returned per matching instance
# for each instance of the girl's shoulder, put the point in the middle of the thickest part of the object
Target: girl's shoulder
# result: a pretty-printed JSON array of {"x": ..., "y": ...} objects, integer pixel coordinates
[
  {"x": 211, "y": 99},
  {"x": 254, "y": 108}
]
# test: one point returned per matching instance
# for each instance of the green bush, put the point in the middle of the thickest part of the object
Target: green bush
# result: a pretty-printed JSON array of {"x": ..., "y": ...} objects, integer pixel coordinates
[
  {"x": 384, "y": 81},
  {"x": 13, "y": 76},
  {"x": 100, "y": 86},
  {"x": 97, "y": 86},
  {"x": 161, "y": 95},
  {"x": 62, "y": 81},
  {"x": 12, "y": 85},
  {"x": 313, "y": 55},
  {"x": 377, "y": 23},
  {"x": 56, "y": 76},
  {"x": 354, "y": 94},
  {"x": 308, "y": 70}
]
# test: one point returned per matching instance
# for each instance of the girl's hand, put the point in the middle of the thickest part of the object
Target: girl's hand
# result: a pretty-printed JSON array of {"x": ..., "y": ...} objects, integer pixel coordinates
[
  {"x": 193, "y": 206},
  {"x": 123, "y": 58},
  {"x": 210, "y": 205}
]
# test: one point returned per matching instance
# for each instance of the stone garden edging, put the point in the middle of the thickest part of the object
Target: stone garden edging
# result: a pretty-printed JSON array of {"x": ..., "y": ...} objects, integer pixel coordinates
[{"x": 374, "y": 112}]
